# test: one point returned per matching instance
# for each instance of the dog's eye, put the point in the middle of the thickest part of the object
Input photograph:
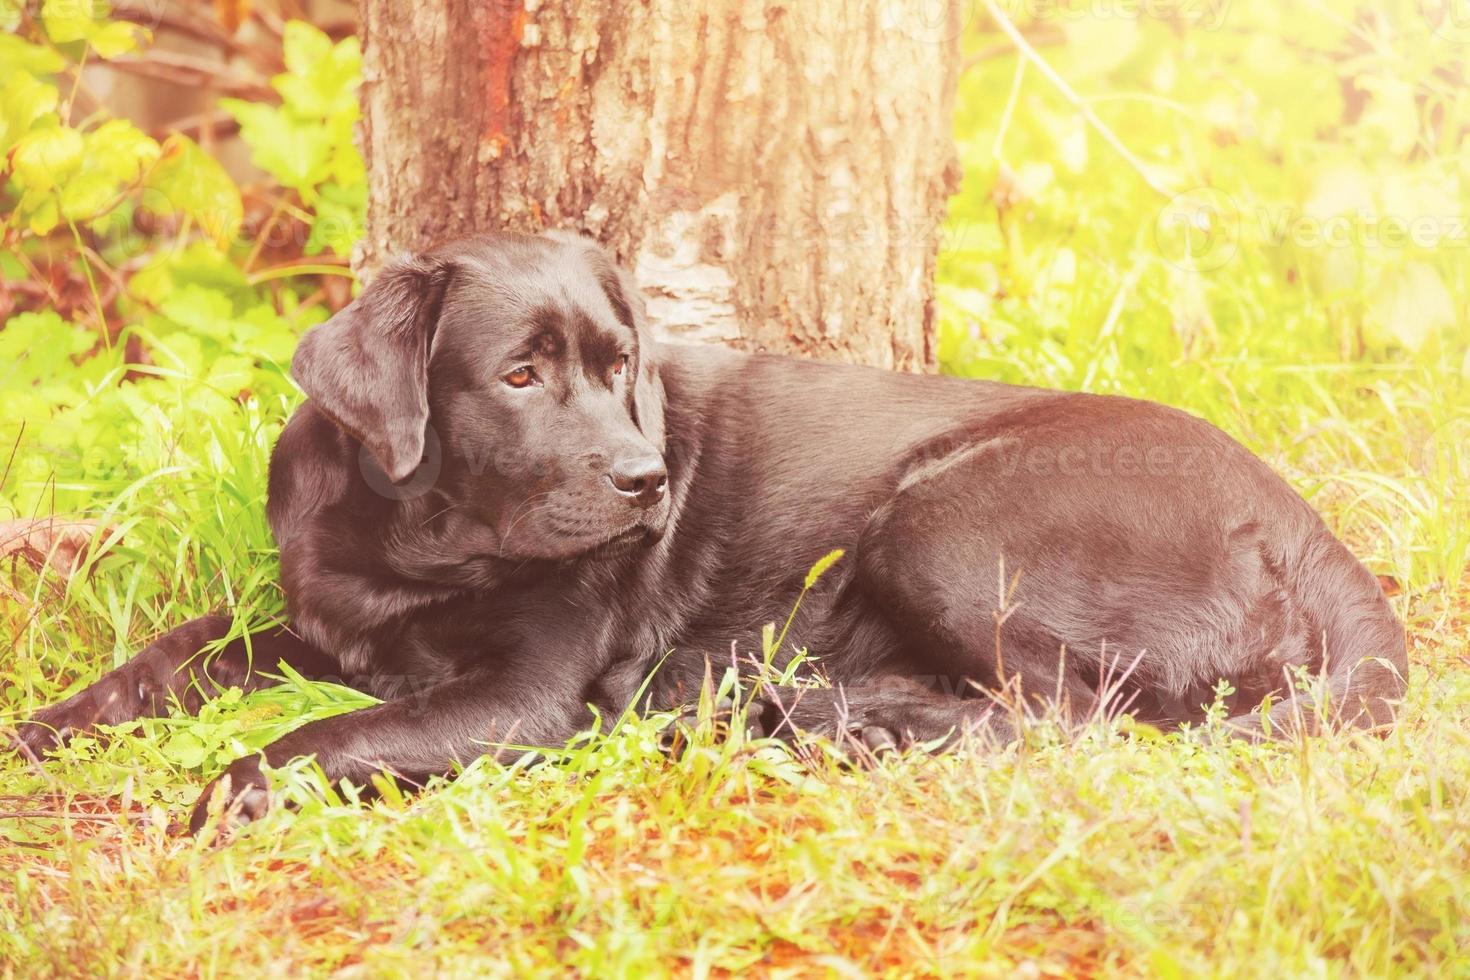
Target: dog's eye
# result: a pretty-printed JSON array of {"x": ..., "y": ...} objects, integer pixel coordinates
[
  {"x": 622, "y": 364},
  {"x": 522, "y": 377}
]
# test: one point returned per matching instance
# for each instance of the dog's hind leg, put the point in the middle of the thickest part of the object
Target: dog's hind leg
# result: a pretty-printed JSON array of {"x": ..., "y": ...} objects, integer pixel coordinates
[
  {"x": 1361, "y": 664},
  {"x": 178, "y": 665}
]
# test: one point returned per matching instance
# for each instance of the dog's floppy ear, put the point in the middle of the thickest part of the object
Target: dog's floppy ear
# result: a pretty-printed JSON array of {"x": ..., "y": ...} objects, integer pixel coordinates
[
  {"x": 627, "y": 302},
  {"x": 367, "y": 367},
  {"x": 648, "y": 387}
]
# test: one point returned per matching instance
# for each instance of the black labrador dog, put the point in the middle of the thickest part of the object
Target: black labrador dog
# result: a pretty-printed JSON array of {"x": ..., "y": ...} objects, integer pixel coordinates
[{"x": 504, "y": 505}]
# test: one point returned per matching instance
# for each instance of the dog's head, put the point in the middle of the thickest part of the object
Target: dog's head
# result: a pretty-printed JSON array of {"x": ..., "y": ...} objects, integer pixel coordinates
[{"x": 523, "y": 365}]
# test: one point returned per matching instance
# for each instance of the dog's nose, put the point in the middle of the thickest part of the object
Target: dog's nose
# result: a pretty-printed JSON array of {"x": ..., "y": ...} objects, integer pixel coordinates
[{"x": 641, "y": 478}]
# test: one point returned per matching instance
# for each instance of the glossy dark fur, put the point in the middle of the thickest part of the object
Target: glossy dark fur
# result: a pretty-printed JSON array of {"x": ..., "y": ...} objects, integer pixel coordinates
[{"x": 504, "y": 583}]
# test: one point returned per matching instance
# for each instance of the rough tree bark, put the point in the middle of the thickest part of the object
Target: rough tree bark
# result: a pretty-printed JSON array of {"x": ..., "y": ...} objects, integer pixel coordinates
[{"x": 774, "y": 172}]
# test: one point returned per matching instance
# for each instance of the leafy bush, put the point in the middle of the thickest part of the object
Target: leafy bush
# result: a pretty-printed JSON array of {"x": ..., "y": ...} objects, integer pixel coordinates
[
  {"x": 1284, "y": 253},
  {"x": 134, "y": 261},
  {"x": 1312, "y": 158}
]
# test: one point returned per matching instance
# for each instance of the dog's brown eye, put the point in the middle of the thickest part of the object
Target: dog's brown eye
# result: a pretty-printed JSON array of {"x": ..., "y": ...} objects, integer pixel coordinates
[
  {"x": 522, "y": 377},
  {"x": 622, "y": 363}
]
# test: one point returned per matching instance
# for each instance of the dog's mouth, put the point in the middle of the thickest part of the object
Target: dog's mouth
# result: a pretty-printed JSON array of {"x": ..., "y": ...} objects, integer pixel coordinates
[
  {"x": 633, "y": 539},
  {"x": 579, "y": 541},
  {"x": 634, "y": 536}
]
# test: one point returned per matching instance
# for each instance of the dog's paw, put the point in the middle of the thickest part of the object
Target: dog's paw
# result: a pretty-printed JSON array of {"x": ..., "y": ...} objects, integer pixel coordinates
[
  {"x": 54, "y": 726},
  {"x": 38, "y": 735},
  {"x": 878, "y": 741},
  {"x": 238, "y": 796},
  {"x": 118, "y": 697},
  {"x": 723, "y": 717}
]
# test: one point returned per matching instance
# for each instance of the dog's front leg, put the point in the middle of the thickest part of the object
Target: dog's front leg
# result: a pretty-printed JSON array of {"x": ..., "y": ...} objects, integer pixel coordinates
[
  {"x": 176, "y": 666},
  {"x": 412, "y": 737}
]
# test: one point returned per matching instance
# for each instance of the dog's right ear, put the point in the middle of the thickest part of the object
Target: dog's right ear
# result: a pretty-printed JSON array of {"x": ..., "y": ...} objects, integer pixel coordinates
[{"x": 367, "y": 367}]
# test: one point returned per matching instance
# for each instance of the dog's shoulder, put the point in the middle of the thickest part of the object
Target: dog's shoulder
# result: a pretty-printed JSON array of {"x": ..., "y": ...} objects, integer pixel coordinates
[{"x": 310, "y": 469}]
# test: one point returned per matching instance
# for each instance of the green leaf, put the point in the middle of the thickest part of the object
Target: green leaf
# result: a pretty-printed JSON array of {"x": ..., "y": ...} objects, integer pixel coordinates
[
  {"x": 205, "y": 312},
  {"x": 114, "y": 38},
  {"x": 269, "y": 336},
  {"x": 200, "y": 264},
  {"x": 292, "y": 151},
  {"x": 23, "y": 100},
  {"x": 304, "y": 47},
  {"x": 339, "y": 220},
  {"x": 16, "y": 53},
  {"x": 189, "y": 181},
  {"x": 120, "y": 150},
  {"x": 87, "y": 195},
  {"x": 42, "y": 212},
  {"x": 70, "y": 20},
  {"x": 45, "y": 157},
  {"x": 179, "y": 351},
  {"x": 321, "y": 79},
  {"x": 39, "y": 347},
  {"x": 185, "y": 749},
  {"x": 231, "y": 373},
  {"x": 67, "y": 21},
  {"x": 307, "y": 140}
]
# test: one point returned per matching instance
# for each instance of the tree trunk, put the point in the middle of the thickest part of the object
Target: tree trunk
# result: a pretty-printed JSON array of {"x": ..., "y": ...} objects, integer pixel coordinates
[{"x": 774, "y": 172}]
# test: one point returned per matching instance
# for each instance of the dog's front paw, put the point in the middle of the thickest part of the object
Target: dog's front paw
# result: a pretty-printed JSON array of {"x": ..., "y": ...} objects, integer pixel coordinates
[
  {"x": 120, "y": 696},
  {"x": 39, "y": 734},
  {"x": 238, "y": 796}
]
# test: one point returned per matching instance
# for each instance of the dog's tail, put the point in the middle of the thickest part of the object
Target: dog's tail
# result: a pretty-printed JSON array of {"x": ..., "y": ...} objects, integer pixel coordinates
[{"x": 1364, "y": 655}]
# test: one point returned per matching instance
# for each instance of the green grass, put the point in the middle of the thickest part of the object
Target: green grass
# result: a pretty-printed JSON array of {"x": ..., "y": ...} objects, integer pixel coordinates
[
  {"x": 1119, "y": 853},
  {"x": 1113, "y": 854}
]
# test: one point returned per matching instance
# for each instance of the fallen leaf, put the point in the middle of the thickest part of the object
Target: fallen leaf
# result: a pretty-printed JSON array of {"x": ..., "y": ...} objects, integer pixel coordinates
[{"x": 58, "y": 542}]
